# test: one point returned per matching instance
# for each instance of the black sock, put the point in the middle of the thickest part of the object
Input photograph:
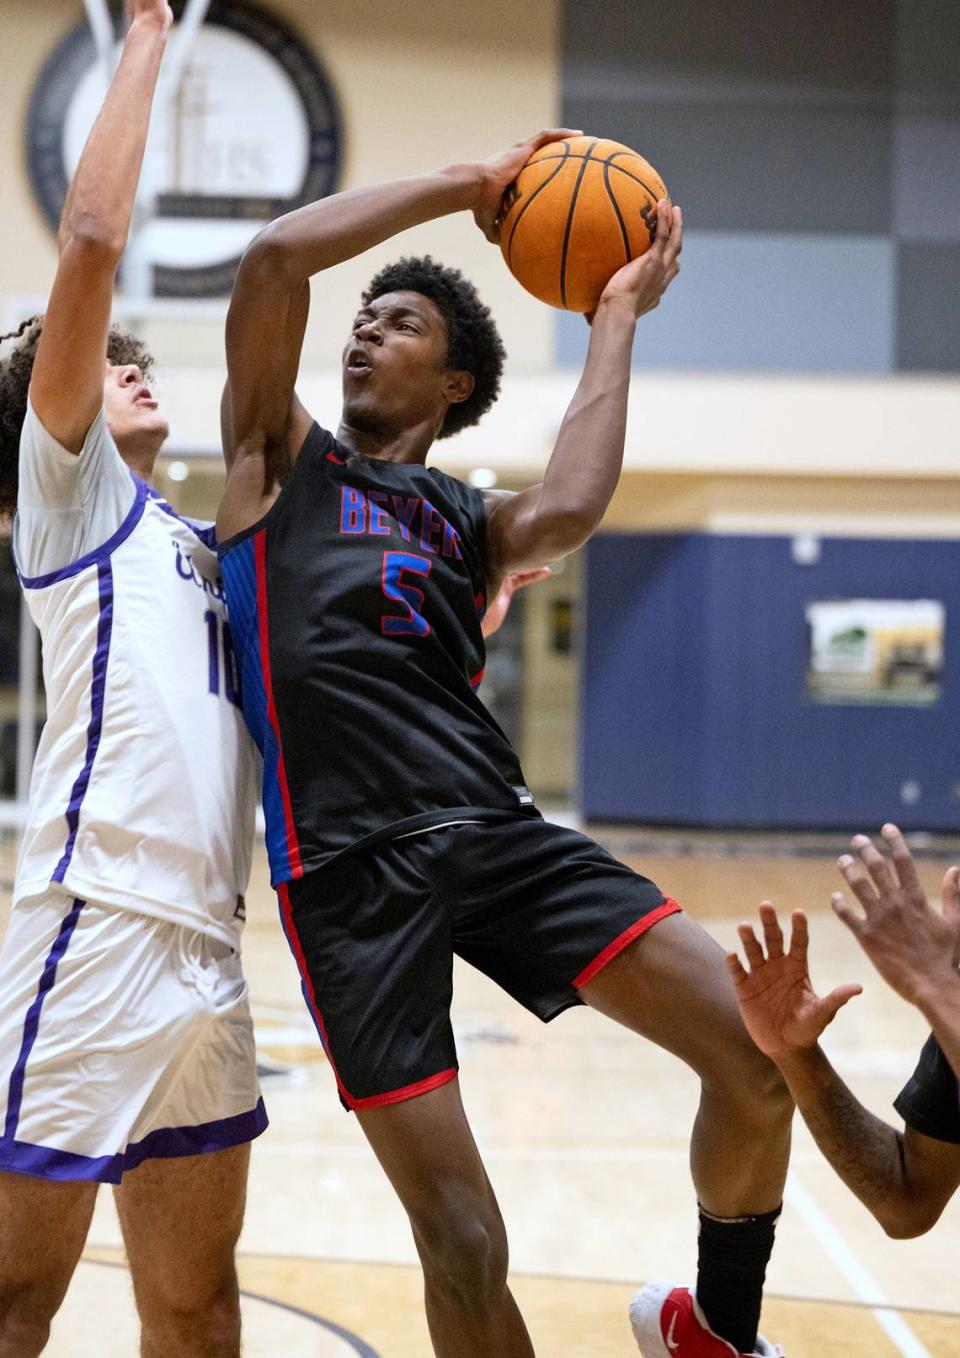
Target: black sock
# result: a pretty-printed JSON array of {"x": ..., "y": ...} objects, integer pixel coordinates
[{"x": 732, "y": 1264}]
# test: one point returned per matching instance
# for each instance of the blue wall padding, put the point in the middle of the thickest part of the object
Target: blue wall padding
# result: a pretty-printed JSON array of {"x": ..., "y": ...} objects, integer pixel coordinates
[{"x": 694, "y": 702}]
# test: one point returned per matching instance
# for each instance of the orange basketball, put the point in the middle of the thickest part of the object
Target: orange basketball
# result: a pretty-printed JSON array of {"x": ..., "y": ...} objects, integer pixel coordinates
[{"x": 577, "y": 212}]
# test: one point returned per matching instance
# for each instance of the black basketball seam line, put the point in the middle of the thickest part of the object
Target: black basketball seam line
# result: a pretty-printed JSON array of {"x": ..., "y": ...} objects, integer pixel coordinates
[
  {"x": 569, "y": 228},
  {"x": 549, "y": 179},
  {"x": 616, "y": 207},
  {"x": 576, "y": 155},
  {"x": 636, "y": 178}
]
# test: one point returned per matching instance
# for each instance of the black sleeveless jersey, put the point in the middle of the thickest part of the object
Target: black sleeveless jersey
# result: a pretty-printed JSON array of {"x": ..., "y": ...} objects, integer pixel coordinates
[{"x": 355, "y": 608}]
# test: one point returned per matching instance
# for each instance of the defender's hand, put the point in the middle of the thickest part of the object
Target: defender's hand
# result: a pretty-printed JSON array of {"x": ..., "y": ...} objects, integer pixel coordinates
[
  {"x": 498, "y": 610},
  {"x": 157, "y": 12},
  {"x": 641, "y": 283},
  {"x": 497, "y": 173},
  {"x": 778, "y": 1004},
  {"x": 913, "y": 946}
]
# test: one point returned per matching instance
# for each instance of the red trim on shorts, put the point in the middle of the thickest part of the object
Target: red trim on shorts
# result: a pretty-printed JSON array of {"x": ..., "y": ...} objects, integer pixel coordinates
[
  {"x": 477, "y": 679},
  {"x": 612, "y": 950},
  {"x": 260, "y": 557},
  {"x": 373, "y": 1100},
  {"x": 400, "y": 1095}
]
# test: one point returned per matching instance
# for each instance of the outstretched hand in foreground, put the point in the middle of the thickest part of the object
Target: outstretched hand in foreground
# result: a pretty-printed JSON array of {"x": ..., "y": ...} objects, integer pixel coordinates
[
  {"x": 914, "y": 946},
  {"x": 779, "y": 1006}
]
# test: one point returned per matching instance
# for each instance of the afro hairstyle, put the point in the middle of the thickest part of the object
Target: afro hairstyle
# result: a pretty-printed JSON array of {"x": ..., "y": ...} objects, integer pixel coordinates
[{"x": 473, "y": 341}]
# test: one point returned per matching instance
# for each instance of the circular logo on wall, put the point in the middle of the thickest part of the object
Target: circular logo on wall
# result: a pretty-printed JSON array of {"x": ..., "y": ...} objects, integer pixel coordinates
[{"x": 253, "y": 130}]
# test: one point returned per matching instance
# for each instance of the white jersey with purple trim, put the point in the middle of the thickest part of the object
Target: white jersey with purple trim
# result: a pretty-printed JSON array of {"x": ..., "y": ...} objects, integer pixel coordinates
[{"x": 144, "y": 786}]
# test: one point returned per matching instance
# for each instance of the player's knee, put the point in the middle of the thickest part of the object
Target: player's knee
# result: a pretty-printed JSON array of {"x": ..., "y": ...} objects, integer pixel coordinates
[
  {"x": 464, "y": 1255},
  {"x": 202, "y": 1314},
  {"x": 26, "y": 1314},
  {"x": 743, "y": 1076}
]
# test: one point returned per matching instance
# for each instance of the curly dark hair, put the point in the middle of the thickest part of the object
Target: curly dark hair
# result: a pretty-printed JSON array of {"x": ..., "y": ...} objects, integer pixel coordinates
[
  {"x": 473, "y": 341},
  {"x": 18, "y": 350}
]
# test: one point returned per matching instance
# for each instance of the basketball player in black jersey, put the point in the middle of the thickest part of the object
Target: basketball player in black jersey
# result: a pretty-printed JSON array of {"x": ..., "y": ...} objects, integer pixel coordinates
[{"x": 399, "y": 827}]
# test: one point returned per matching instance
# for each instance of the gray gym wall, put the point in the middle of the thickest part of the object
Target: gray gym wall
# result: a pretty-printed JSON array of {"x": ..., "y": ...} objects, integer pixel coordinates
[{"x": 815, "y": 148}]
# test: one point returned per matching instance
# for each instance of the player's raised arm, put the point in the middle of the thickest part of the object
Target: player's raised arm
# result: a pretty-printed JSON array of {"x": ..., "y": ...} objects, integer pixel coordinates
[
  {"x": 67, "y": 383},
  {"x": 553, "y": 519},
  {"x": 904, "y": 1178},
  {"x": 268, "y": 309}
]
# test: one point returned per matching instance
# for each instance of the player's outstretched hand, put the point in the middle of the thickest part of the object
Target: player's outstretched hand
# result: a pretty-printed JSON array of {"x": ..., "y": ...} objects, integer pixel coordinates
[
  {"x": 500, "y": 607},
  {"x": 497, "y": 173},
  {"x": 913, "y": 946},
  {"x": 643, "y": 281},
  {"x": 779, "y": 1006},
  {"x": 150, "y": 11}
]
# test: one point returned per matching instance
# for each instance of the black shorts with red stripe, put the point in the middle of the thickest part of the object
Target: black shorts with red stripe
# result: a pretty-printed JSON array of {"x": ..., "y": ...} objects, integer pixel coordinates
[{"x": 538, "y": 908}]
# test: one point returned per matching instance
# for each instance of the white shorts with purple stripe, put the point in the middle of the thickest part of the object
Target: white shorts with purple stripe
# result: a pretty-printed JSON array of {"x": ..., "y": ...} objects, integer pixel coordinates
[{"x": 123, "y": 1038}]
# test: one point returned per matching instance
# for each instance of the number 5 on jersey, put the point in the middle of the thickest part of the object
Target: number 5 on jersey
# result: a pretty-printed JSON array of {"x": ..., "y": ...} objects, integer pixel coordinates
[{"x": 411, "y": 623}]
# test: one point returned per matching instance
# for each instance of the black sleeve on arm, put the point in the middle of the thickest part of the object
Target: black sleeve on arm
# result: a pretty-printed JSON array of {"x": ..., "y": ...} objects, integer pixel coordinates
[{"x": 930, "y": 1100}]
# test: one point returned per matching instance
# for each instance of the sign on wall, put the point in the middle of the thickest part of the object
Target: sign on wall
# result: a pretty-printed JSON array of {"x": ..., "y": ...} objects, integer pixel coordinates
[
  {"x": 876, "y": 651},
  {"x": 253, "y": 131}
]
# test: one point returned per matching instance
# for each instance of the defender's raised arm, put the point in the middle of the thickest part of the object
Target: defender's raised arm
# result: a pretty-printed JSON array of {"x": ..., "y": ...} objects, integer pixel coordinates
[{"x": 93, "y": 236}]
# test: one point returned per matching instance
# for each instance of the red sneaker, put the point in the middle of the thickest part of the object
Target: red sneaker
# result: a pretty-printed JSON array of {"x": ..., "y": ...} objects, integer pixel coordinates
[{"x": 668, "y": 1323}]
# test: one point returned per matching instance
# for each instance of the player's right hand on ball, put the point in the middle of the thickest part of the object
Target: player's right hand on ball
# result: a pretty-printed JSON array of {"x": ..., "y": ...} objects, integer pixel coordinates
[
  {"x": 151, "y": 11},
  {"x": 643, "y": 281},
  {"x": 497, "y": 173}
]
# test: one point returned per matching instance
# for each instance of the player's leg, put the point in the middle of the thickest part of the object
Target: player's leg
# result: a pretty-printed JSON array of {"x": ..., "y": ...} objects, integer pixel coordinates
[
  {"x": 557, "y": 921},
  {"x": 43, "y": 1226},
  {"x": 428, "y": 1152},
  {"x": 181, "y": 1219},
  {"x": 372, "y": 941},
  {"x": 47, "y": 1194},
  {"x": 182, "y": 1208},
  {"x": 669, "y": 986}
]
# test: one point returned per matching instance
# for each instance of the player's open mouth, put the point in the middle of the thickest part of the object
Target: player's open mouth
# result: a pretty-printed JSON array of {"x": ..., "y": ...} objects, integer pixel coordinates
[
  {"x": 358, "y": 364},
  {"x": 142, "y": 397}
]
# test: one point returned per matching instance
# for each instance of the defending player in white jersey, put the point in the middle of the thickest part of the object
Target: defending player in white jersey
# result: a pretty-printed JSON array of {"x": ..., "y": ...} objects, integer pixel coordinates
[{"x": 126, "y": 1048}]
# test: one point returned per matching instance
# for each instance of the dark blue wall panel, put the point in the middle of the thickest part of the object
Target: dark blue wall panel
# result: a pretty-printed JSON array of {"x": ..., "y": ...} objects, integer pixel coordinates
[{"x": 695, "y": 708}]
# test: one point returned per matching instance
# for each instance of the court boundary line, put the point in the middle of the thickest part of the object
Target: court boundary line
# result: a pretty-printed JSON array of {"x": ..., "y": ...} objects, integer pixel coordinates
[
  {"x": 294, "y": 1256},
  {"x": 360, "y": 1345},
  {"x": 862, "y": 1281}
]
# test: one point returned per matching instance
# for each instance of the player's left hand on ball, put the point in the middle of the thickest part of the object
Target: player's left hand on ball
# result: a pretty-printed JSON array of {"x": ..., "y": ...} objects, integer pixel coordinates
[
  {"x": 913, "y": 946},
  {"x": 643, "y": 281},
  {"x": 497, "y": 173}
]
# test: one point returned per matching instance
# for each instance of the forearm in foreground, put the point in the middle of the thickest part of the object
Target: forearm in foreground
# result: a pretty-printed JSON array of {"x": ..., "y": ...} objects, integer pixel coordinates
[{"x": 864, "y": 1150}]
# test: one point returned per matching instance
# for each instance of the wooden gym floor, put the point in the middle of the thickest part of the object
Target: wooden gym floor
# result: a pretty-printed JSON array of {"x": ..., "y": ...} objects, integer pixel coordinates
[{"x": 584, "y": 1131}]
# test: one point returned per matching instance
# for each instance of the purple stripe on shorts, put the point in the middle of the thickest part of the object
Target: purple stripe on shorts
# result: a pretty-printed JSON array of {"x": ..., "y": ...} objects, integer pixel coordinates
[
  {"x": 32, "y": 1022},
  {"x": 166, "y": 1143},
  {"x": 169, "y": 1143},
  {"x": 100, "y": 658}
]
